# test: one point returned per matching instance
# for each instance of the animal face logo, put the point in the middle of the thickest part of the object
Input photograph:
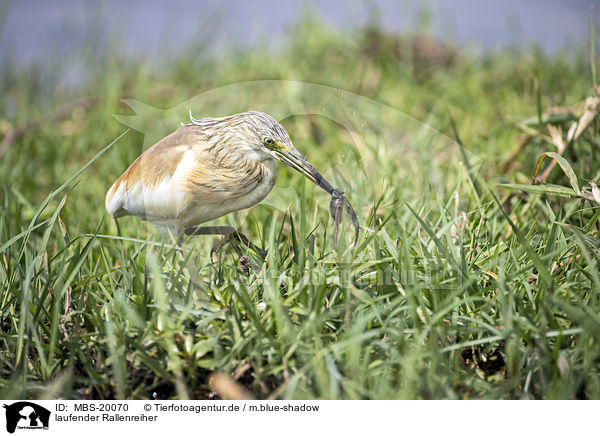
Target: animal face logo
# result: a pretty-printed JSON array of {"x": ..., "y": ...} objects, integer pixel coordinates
[{"x": 26, "y": 415}]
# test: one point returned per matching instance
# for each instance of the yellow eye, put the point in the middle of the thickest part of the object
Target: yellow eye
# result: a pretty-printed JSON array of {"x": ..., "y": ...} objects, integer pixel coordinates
[{"x": 268, "y": 141}]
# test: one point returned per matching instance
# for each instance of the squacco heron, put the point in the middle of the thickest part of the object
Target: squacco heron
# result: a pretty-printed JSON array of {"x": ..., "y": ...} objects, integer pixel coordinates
[{"x": 209, "y": 168}]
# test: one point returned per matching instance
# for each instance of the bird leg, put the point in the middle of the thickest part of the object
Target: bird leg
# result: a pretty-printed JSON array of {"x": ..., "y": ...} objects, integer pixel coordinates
[{"x": 230, "y": 234}]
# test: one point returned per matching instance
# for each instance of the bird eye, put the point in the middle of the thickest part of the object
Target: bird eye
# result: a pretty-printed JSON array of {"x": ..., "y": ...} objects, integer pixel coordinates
[{"x": 268, "y": 141}]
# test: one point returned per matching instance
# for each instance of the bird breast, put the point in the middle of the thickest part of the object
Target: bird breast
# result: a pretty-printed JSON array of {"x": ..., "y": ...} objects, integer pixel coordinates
[{"x": 212, "y": 187}]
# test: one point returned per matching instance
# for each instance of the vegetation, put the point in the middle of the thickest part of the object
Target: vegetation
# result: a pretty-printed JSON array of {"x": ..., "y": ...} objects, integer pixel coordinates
[{"x": 467, "y": 281}]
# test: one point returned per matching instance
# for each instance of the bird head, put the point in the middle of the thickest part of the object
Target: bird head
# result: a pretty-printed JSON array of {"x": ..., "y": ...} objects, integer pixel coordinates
[
  {"x": 260, "y": 134},
  {"x": 273, "y": 139}
]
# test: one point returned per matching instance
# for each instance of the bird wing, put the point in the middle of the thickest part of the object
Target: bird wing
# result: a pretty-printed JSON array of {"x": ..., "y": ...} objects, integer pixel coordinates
[{"x": 146, "y": 188}]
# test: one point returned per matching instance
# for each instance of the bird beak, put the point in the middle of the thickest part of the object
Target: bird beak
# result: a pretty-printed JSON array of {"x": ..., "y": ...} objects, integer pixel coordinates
[
  {"x": 290, "y": 156},
  {"x": 293, "y": 158}
]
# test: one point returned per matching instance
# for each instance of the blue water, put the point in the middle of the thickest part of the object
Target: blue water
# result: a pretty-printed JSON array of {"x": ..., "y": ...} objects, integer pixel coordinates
[{"x": 34, "y": 30}]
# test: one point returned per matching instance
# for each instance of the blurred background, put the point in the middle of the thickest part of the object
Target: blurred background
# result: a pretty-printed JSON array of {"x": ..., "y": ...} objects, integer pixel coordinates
[
  {"x": 51, "y": 35},
  {"x": 153, "y": 30}
]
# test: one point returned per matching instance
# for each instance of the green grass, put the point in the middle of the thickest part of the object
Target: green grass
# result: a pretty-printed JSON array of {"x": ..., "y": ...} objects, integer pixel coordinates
[{"x": 459, "y": 287}]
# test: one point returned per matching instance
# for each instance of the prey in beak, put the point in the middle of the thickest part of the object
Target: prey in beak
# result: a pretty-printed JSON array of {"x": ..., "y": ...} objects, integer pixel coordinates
[{"x": 292, "y": 157}]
